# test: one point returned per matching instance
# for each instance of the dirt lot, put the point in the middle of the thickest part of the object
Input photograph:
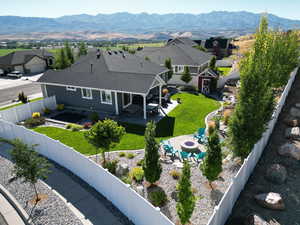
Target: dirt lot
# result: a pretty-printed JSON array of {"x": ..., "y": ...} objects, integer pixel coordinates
[{"x": 257, "y": 183}]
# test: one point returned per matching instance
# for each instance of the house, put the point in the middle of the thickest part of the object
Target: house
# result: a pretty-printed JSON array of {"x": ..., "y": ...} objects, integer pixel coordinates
[
  {"x": 112, "y": 82},
  {"x": 29, "y": 61},
  {"x": 182, "y": 55},
  {"x": 183, "y": 40},
  {"x": 220, "y": 47}
]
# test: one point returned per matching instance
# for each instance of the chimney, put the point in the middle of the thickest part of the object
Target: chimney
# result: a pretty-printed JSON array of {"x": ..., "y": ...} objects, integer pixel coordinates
[
  {"x": 98, "y": 53},
  {"x": 91, "y": 67}
]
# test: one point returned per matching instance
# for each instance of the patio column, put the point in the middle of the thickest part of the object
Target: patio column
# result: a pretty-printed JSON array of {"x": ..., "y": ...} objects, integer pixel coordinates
[
  {"x": 145, "y": 110},
  {"x": 160, "y": 95},
  {"x": 116, "y": 103}
]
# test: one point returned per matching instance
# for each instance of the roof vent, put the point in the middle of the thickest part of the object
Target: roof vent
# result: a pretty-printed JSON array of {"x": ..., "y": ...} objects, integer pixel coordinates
[
  {"x": 116, "y": 52},
  {"x": 109, "y": 52},
  {"x": 98, "y": 53},
  {"x": 123, "y": 55},
  {"x": 91, "y": 67},
  {"x": 120, "y": 51}
]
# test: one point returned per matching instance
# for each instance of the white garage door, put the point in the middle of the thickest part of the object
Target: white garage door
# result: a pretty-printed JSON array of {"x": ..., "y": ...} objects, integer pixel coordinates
[{"x": 36, "y": 68}]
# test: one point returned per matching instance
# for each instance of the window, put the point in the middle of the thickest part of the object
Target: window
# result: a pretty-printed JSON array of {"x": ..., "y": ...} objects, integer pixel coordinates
[
  {"x": 180, "y": 69},
  {"x": 70, "y": 88},
  {"x": 106, "y": 97},
  {"x": 86, "y": 93}
]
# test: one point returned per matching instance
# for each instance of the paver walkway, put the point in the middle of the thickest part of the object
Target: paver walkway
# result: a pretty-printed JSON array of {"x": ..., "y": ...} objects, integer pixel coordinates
[
  {"x": 8, "y": 215},
  {"x": 86, "y": 203}
]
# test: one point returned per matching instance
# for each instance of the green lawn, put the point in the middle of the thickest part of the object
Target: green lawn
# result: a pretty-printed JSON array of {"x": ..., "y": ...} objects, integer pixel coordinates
[
  {"x": 184, "y": 119},
  {"x": 7, "y": 51},
  {"x": 11, "y": 106},
  {"x": 224, "y": 70}
]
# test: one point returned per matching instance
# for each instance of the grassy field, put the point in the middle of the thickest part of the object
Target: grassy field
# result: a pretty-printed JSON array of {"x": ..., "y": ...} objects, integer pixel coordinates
[
  {"x": 7, "y": 51},
  {"x": 224, "y": 70},
  {"x": 14, "y": 105},
  {"x": 156, "y": 44},
  {"x": 186, "y": 119}
]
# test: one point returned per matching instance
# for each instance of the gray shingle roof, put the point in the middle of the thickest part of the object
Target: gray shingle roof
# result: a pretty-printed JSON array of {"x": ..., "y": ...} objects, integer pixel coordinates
[
  {"x": 22, "y": 57},
  {"x": 183, "y": 40},
  {"x": 111, "y": 72},
  {"x": 180, "y": 54}
]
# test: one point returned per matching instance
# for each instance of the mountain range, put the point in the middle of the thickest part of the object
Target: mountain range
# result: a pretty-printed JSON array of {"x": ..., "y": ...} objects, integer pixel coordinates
[{"x": 214, "y": 23}]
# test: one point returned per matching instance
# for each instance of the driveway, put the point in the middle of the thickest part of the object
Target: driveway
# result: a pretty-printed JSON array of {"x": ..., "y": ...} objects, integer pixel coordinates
[{"x": 87, "y": 204}]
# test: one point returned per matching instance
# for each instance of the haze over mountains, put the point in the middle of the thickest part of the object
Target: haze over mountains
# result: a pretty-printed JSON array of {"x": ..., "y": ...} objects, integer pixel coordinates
[{"x": 140, "y": 26}]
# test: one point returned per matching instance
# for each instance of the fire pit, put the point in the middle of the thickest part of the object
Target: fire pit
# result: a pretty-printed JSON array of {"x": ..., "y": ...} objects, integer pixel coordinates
[{"x": 190, "y": 146}]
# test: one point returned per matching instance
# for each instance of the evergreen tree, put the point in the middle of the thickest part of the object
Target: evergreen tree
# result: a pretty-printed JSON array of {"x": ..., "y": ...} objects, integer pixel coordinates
[
  {"x": 212, "y": 165},
  {"x": 212, "y": 63},
  {"x": 151, "y": 166},
  {"x": 186, "y": 76},
  {"x": 168, "y": 65},
  {"x": 82, "y": 49},
  {"x": 104, "y": 135},
  {"x": 61, "y": 60},
  {"x": 186, "y": 199},
  {"x": 29, "y": 166},
  {"x": 69, "y": 52}
]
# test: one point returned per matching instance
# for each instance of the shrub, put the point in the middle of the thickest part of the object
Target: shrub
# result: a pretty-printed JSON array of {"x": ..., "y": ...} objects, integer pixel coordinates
[
  {"x": 175, "y": 174},
  {"x": 165, "y": 91},
  {"x": 211, "y": 127},
  {"x": 74, "y": 127},
  {"x": 227, "y": 113},
  {"x": 87, "y": 125},
  {"x": 36, "y": 115},
  {"x": 158, "y": 198},
  {"x": 60, "y": 107},
  {"x": 122, "y": 154},
  {"x": 34, "y": 122},
  {"x": 111, "y": 165},
  {"x": 126, "y": 179},
  {"x": 46, "y": 111},
  {"x": 22, "y": 98},
  {"x": 137, "y": 174},
  {"x": 140, "y": 162},
  {"x": 130, "y": 155},
  {"x": 94, "y": 117}
]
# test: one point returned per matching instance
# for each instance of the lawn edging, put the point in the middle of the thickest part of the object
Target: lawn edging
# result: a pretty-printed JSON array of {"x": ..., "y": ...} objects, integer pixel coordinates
[{"x": 223, "y": 209}]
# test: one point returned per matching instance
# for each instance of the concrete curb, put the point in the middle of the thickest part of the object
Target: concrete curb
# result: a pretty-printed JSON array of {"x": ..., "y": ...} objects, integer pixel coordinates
[{"x": 15, "y": 204}]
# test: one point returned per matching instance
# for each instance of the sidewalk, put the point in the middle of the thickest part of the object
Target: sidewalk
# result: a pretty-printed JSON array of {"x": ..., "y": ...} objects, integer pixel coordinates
[{"x": 9, "y": 214}]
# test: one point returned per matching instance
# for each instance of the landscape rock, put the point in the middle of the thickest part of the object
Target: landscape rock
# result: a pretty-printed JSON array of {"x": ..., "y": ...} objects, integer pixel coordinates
[
  {"x": 254, "y": 219},
  {"x": 295, "y": 112},
  {"x": 270, "y": 200},
  {"x": 122, "y": 169},
  {"x": 276, "y": 174},
  {"x": 290, "y": 150},
  {"x": 292, "y": 133},
  {"x": 140, "y": 190},
  {"x": 292, "y": 122}
]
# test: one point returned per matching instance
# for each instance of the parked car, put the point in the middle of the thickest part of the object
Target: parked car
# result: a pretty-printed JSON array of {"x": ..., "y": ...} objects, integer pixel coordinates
[
  {"x": 2, "y": 72},
  {"x": 16, "y": 74}
]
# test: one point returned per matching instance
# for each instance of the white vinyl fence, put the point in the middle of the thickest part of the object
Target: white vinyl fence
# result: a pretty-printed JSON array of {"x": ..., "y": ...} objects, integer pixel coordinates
[
  {"x": 22, "y": 112},
  {"x": 223, "y": 210},
  {"x": 131, "y": 204}
]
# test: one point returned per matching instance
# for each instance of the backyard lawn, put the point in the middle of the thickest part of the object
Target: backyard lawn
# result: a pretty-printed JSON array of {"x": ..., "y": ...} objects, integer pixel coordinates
[
  {"x": 224, "y": 70},
  {"x": 7, "y": 51},
  {"x": 186, "y": 119}
]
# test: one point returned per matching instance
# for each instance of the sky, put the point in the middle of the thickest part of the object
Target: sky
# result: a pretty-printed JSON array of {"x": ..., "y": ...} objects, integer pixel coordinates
[{"x": 57, "y": 8}]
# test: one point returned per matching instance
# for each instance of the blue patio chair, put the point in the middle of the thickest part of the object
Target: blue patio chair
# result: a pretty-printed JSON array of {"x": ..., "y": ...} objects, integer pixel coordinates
[
  {"x": 200, "y": 134},
  {"x": 199, "y": 156},
  {"x": 185, "y": 155},
  {"x": 169, "y": 150}
]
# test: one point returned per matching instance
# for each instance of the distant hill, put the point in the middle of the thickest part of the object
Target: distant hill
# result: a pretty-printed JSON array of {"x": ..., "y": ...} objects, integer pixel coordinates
[{"x": 222, "y": 22}]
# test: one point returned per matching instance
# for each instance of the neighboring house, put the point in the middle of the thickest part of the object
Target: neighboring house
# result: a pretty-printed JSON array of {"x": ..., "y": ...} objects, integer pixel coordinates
[
  {"x": 220, "y": 47},
  {"x": 29, "y": 61},
  {"x": 183, "y": 40},
  {"x": 113, "y": 82},
  {"x": 182, "y": 55}
]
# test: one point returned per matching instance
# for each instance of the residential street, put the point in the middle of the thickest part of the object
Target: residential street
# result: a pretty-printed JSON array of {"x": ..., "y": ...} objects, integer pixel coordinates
[{"x": 7, "y": 95}]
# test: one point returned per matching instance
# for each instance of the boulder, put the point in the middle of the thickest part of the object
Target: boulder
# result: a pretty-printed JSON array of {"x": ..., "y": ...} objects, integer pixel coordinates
[
  {"x": 254, "y": 219},
  {"x": 140, "y": 190},
  {"x": 292, "y": 122},
  {"x": 122, "y": 169},
  {"x": 270, "y": 200},
  {"x": 295, "y": 112},
  {"x": 291, "y": 150},
  {"x": 276, "y": 174},
  {"x": 293, "y": 133}
]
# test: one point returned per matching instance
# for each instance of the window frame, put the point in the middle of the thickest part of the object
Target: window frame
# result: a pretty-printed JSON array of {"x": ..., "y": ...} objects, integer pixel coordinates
[
  {"x": 106, "y": 93},
  {"x": 71, "y": 88},
  {"x": 86, "y": 97}
]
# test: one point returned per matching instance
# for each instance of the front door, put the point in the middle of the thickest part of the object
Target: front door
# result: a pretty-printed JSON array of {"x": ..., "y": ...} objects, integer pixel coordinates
[
  {"x": 127, "y": 100},
  {"x": 205, "y": 86}
]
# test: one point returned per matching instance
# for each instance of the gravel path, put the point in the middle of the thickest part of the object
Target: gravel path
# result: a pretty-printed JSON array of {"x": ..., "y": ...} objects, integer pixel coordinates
[
  {"x": 51, "y": 211},
  {"x": 206, "y": 199},
  {"x": 257, "y": 183}
]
